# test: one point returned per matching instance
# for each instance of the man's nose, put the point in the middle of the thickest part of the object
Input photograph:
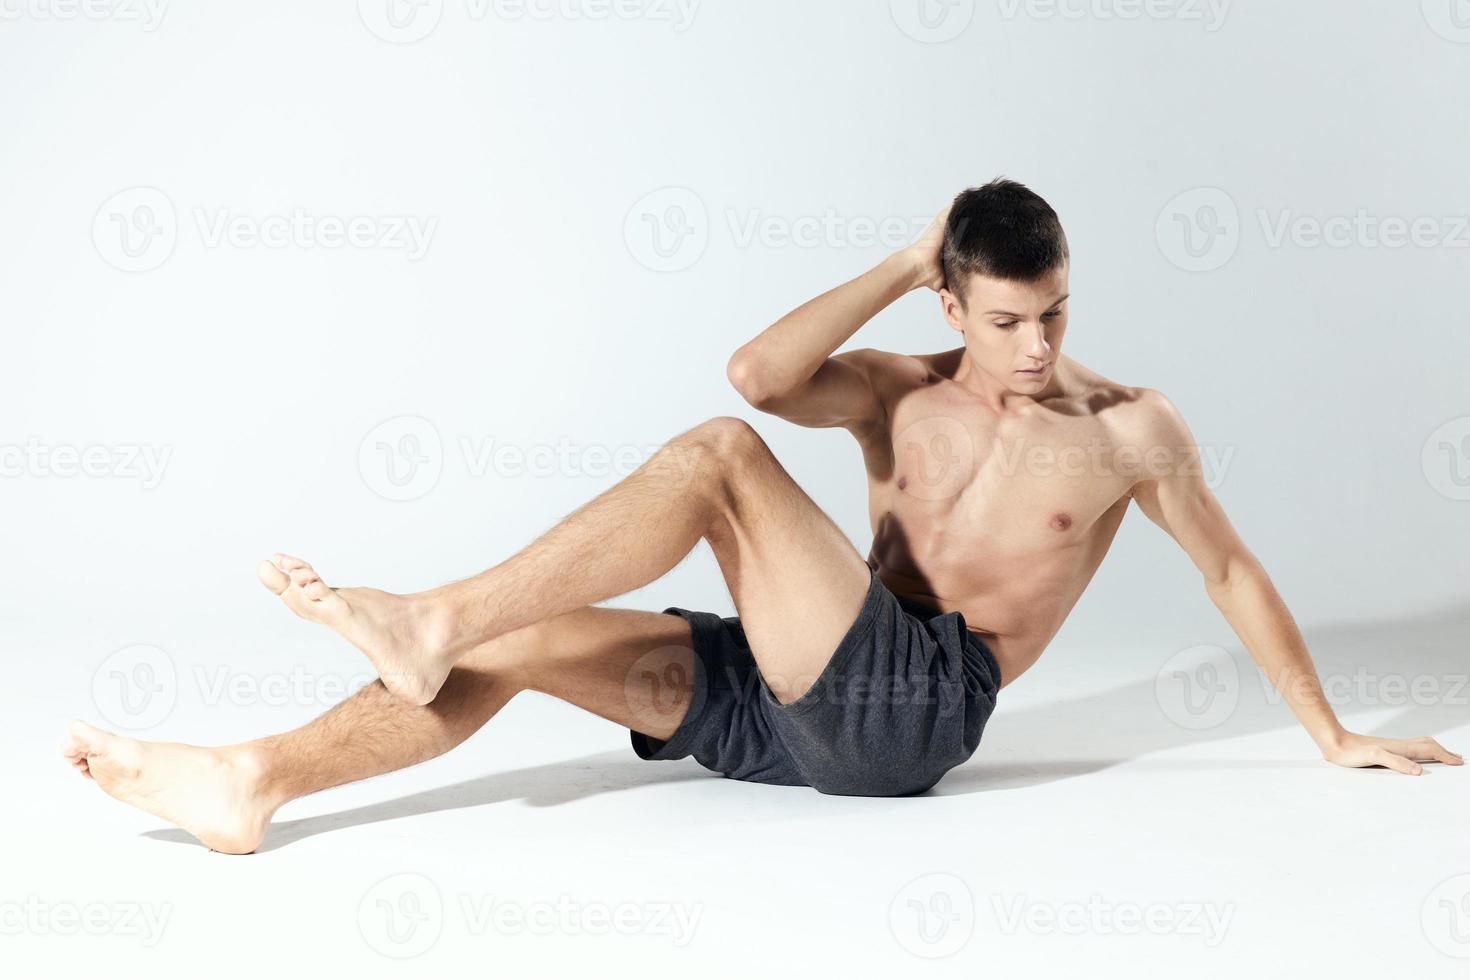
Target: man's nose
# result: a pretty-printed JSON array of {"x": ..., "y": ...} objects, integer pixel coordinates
[{"x": 1036, "y": 345}]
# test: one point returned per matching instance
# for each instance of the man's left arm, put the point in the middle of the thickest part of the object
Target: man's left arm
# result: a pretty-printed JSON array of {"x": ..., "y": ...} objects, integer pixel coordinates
[{"x": 1176, "y": 498}]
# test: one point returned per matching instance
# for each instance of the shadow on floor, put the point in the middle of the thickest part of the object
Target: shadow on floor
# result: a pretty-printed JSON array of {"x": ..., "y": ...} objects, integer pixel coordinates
[{"x": 1365, "y": 666}]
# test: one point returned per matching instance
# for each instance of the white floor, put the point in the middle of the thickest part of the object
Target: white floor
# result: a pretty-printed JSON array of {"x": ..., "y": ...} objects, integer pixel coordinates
[{"x": 1090, "y": 835}]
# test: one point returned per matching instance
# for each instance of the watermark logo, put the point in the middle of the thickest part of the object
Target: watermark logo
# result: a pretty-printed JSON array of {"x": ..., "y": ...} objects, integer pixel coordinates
[
  {"x": 933, "y": 916},
  {"x": 1362, "y": 229},
  {"x": 404, "y": 457},
  {"x": 1450, "y": 19},
  {"x": 934, "y": 457},
  {"x": 404, "y": 916},
  {"x": 1199, "y": 230},
  {"x": 1210, "y": 13},
  {"x": 145, "y": 921},
  {"x": 1365, "y": 688},
  {"x": 407, "y": 21},
  {"x": 678, "y": 13},
  {"x": 400, "y": 21},
  {"x": 1199, "y": 687},
  {"x": 1099, "y": 916},
  {"x": 136, "y": 687},
  {"x": 661, "y": 683},
  {"x": 1445, "y": 917},
  {"x": 406, "y": 233},
  {"x": 135, "y": 230},
  {"x": 1101, "y": 459},
  {"x": 568, "y": 916},
  {"x": 148, "y": 14},
  {"x": 567, "y": 459},
  {"x": 932, "y": 21},
  {"x": 401, "y": 916},
  {"x": 826, "y": 230},
  {"x": 1446, "y": 459},
  {"x": 298, "y": 686},
  {"x": 667, "y": 230},
  {"x": 401, "y": 459},
  {"x": 125, "y": 461}
]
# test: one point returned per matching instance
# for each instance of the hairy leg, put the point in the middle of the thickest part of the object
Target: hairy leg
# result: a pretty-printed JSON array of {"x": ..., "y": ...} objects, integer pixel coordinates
[
  {"x": 796, "y": 580},
  {"x": 633, "y": 668}
]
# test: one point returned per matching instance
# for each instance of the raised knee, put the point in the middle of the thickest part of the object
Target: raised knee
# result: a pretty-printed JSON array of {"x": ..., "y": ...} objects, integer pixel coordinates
[
  {"x": 718, "y": 459},
  {"x": 728, "y": 438}
]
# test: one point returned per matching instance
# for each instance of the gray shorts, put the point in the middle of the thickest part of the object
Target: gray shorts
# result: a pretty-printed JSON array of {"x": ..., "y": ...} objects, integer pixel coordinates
[{"x": 902, "y": 701}]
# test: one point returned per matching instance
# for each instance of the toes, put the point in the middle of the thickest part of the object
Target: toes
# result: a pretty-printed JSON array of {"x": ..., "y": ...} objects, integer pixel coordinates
[
  {"x": 316, "y": 590},
  {"x": 298, "y": 584},
  {"x": 84, "y": 740},
  {"x": 301, "y": 589},
  {"x": 272, "y": 577},
  {"x": 299, "y": 604},
  {"x": 306, "y": 579}
]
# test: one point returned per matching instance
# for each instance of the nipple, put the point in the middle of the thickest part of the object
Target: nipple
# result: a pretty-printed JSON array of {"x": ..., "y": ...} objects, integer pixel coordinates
[{"x": 1061, "y": 522}]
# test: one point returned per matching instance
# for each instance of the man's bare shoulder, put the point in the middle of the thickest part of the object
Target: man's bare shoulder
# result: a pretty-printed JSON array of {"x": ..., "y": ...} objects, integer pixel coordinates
[
  {"x": 1149, "y": 418},
  {"x": 1129, "y": 410},
  {"x": 886, "y": 362},
  {"x": 892, "y": 374},
  {"x": 894, "y": 369}
]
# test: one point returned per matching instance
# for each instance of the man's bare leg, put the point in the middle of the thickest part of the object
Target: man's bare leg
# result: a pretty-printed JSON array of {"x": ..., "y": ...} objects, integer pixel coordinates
[
  {"x": 797, "y": 582},
  {"x": 633, "y": 668}
]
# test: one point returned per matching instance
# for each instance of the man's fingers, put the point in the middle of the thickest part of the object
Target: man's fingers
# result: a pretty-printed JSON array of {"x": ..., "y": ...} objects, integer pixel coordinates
[
  {"x": 1394, "y": 761},
  {"x": 1429, "y": 750}
]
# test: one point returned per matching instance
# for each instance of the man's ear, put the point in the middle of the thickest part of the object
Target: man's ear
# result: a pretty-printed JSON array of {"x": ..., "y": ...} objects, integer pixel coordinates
[{"x": 949, "y": 305}]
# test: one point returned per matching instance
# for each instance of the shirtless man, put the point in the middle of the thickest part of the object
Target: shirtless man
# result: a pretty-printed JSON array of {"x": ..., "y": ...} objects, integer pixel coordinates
[{"x": 998, "y": 473}]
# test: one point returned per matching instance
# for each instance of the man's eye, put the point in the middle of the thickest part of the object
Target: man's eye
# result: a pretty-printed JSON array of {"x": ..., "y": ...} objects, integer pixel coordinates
[
  {"x": 1011, "y": 323},
  {"x": 1055, "y": 313}
]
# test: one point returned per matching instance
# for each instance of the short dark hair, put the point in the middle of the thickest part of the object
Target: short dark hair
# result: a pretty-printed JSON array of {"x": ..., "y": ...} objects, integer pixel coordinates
[{"x": 1003, "y": 230}]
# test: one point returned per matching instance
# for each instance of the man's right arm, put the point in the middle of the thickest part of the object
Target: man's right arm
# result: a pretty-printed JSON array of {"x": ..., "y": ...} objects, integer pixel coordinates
[{"x": 788, "y": 369}]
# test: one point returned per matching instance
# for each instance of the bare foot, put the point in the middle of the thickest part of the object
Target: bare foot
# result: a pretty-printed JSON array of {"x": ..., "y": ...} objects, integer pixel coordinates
[
  {"x": 404, "y": 638},
  {"x": 214, "y": 794}
]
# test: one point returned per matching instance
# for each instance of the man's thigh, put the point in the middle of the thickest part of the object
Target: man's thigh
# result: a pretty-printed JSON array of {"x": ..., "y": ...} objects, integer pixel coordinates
[
  {"x": 631, "y": 667},
  {"x": 797, "y": 581}
]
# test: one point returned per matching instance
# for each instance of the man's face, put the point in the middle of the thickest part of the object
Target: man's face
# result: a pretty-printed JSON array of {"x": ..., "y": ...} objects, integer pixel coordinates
[{"x": 1011, "y": 326}]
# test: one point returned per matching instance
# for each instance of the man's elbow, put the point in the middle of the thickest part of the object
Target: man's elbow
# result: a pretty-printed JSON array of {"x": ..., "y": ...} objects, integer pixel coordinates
[{"x": 750, "y": 378}]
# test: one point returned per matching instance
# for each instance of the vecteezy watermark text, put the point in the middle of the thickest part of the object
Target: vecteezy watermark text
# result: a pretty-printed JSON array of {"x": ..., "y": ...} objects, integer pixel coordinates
[
  {"x": 403, "y": 457},
  {"x": 121, "y": 461},
  {"x": 137, "y": 229},
  {"x": 1201, "y": 229},
  {"x": 1210, "y": 13},
  {"x": 147, "y": 14},
  {"x": 36, "y": 917},
  {"x": 407, "y": 21},
  {"x": 403, "y": 916}
]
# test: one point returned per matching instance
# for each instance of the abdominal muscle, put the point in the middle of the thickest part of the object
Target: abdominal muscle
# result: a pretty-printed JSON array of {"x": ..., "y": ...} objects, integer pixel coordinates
[{"x": 1013, "y": 603}]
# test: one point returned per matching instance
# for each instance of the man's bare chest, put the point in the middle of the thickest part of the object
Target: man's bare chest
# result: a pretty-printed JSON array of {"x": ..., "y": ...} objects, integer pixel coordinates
[{"x": 1040, "y": 481}]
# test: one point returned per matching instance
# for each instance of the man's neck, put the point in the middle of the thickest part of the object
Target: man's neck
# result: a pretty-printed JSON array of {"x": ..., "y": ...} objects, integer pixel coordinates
[{"x": 996, "y": 396}]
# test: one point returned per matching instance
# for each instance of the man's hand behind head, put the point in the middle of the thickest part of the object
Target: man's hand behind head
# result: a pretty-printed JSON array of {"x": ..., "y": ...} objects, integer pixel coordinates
[{"x": 927, "y": 249}]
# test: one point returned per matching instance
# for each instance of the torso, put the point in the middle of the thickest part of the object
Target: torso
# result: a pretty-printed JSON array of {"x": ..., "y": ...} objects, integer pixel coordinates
[{"x": 970, "y": 513}]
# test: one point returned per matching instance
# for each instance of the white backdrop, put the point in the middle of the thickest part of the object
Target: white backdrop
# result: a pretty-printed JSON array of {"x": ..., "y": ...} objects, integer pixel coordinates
[{"x": 396, "y": 287}]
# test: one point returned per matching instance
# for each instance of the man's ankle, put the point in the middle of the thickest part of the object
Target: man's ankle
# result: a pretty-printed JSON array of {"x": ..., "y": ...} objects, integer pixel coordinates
[{"x": 257, "y": 765}]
